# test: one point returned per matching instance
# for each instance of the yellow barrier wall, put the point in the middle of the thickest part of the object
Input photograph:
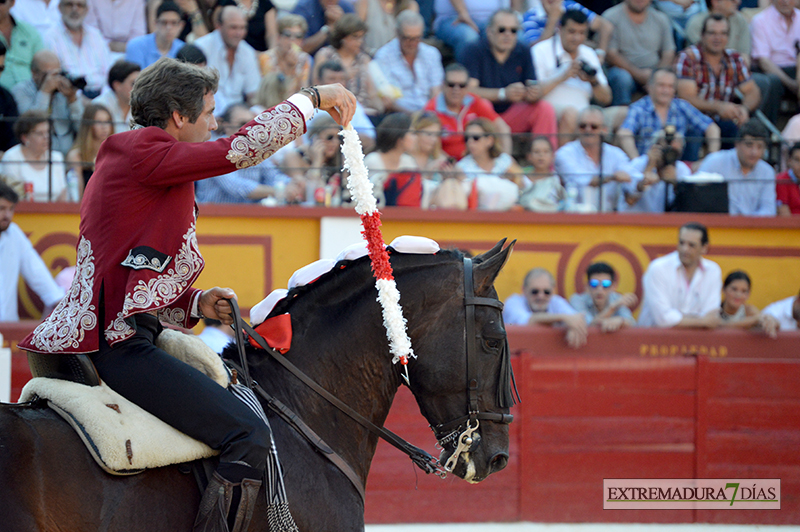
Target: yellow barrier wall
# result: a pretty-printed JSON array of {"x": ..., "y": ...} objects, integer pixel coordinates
[{"x": 254, "y": 250}]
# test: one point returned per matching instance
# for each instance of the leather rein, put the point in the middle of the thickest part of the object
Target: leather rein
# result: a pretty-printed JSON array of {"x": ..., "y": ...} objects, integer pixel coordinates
[{"x": 420, "y": 457}]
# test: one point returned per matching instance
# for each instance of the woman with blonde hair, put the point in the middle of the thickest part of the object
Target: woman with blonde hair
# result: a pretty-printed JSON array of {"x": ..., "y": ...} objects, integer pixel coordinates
[
  {"x": 494, "y": 175},
  {"x": 286, "y": 57},
  {"x": 272, "y": 90},
  {"x": 347, "y": 38},
  {"x": 96, "y": 127}
]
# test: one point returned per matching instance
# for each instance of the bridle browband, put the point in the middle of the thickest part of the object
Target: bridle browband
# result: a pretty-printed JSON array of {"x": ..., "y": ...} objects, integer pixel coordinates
[{"x": 421, "y": 458}]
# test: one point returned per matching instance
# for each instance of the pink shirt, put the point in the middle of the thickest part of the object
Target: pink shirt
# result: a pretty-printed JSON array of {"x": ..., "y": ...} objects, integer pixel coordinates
[{"x": 773, "y": 38}]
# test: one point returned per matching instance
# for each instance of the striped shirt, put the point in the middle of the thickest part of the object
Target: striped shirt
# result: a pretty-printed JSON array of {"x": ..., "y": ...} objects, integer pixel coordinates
[
  {"x": 644, "y": 122},
  {"x": 691, "y": 65},
  {"x": 236, "y": 186}
]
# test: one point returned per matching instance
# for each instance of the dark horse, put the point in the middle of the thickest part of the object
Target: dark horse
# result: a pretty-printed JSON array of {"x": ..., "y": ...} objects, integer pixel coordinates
[{"x": 49, "y": 482}]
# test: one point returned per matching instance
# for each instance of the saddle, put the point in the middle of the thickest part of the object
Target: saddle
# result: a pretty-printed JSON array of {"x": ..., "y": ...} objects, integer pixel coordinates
[{"x": 123, "y": 438}]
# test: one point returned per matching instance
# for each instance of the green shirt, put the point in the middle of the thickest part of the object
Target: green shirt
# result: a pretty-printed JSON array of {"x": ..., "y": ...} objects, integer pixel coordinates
[{"x": 25, "y": 41}]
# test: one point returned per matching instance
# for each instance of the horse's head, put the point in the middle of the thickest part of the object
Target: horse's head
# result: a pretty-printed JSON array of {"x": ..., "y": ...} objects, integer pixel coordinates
[{"x": 462, "y": 376}]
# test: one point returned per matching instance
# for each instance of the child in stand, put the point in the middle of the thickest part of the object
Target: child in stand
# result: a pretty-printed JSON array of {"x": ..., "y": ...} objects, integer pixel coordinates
[{"x": 545, "y": 194}]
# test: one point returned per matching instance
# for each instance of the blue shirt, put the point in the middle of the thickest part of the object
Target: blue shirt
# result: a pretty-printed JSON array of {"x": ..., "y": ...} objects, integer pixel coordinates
[
  {"x": 236, "y": 186},
  {"x": 584, "y": 303},
  {"x": 143, "y": 51},
  {"x": 312, "y": 11},
  {"x": 749, "y": 195},
  {"x": 652, "y": 199},
  {"x": 516, "y": 310},
  {"x": 415, "y": 81},
  {"x": 483, "y": 66},
  {"x": 644, "y": 122},
  {"x": 535, "y": 19}
]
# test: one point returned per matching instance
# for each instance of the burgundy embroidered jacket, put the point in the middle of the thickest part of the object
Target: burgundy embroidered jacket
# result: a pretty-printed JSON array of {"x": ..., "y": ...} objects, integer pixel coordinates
[{"x": 137, "y": 245}]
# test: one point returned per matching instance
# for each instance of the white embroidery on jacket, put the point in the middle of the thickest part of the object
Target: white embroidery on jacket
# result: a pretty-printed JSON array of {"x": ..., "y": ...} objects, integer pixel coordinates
[
  {"x": 118, "y": 330},
  {"x": 277, "y": 127},
  {"x": 141, "y": 261},
  {"x": 175, "y": 316},
  {"x": 74, "y": 316}
]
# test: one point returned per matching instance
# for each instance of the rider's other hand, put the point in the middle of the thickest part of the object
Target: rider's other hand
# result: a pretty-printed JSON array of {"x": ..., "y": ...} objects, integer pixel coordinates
[{"x": 213, "y": 304}]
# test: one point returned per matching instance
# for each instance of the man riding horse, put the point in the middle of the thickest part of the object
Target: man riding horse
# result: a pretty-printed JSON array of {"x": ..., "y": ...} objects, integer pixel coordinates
[{"x": 137, "y": 258}]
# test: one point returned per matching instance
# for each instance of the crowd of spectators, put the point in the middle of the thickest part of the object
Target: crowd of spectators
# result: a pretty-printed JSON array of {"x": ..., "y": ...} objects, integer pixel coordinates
[
  {"x": 682, "y": 289},
  {"x": 637, "y": 99}
]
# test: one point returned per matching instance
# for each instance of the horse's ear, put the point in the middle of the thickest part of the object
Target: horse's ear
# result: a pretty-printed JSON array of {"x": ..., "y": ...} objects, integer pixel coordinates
[
  {"x": 491, "y": 253},
  {"x": 489, "y": 266}
]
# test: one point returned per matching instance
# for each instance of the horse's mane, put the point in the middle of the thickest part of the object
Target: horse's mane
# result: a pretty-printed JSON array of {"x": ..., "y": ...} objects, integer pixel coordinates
[{"x": 354, "y": 275}]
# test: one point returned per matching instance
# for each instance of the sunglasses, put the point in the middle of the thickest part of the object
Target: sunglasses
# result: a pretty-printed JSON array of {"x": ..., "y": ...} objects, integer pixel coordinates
[
  {"x": 594, "y": 283},
  {"x": 503, "y": 29},
  {"x": 593, "y": 127},
  {"x": 291, "y": 35},
  {"x": 473, "y": 137},
  {"x": 535, "y": 291},
  {"x": 406, "y": 38},
  {"x": 453, "y": 85},
  {"x": 330, "y": 137}
]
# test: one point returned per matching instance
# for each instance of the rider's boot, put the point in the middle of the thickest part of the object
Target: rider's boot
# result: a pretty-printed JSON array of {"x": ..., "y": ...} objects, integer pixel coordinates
[
  {"x": 247, "y": 504},
  {"x": 214, "y": 506}
]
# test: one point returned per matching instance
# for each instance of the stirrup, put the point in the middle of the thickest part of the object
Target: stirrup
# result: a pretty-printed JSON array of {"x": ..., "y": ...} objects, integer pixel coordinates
[
  {"x": 212, "y": 515},
  {"x": 247, "y": 504}
]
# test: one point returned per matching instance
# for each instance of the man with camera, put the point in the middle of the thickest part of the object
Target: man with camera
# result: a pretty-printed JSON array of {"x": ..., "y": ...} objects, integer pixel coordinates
[
  {"x": 569, "y": 73},
  {"x": 51, "y": 91},
  {"x": 654, "y": 174}
]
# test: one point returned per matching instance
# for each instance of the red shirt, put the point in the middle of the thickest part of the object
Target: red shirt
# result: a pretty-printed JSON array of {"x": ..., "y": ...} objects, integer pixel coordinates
[
  {"x": 788, "y": 192},
  {"x": 453, "y": 125}
]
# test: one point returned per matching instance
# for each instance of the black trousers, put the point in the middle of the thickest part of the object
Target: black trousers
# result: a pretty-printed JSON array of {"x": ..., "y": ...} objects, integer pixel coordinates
[{"x": 184, "y": 398}]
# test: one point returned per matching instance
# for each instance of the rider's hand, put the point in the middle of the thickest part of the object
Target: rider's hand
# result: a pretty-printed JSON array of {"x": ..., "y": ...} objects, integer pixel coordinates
[
  {"x": 212, "y": 304},
  {"x": 338, "y": 101}
]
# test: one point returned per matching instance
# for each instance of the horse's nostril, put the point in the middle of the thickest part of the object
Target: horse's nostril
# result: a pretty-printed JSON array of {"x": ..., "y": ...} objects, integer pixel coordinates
[{"x": 499, "y": 462}]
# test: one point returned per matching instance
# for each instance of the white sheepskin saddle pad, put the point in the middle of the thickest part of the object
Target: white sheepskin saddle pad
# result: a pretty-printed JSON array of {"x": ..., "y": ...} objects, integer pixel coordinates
[{"x": 123, "y": 438}]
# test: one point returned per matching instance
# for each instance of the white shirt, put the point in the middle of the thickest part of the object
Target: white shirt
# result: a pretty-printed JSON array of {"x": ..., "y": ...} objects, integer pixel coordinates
[
  {"x": 13, "y": 165},
  {"x": 38, "y": 14},
  {"x": 577, "y": 169},
  {"x": 652, "y": 199},
  {"x": 782, "y": 311},
  {"x": 91, "y": 60},
  {"x": 668, "y": 297},
  {"x": 19, "y": 257},
  {"x": 550, "y": 60},
  {"x": 234, "y": 83}
]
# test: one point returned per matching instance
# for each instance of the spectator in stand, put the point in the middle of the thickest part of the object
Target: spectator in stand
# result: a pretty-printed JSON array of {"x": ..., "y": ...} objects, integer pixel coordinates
[
  {"x": 539, "y": 304},
  {"x": 20, "y": 258},
  {"x": 435, "y": 166},
  {"x": 495, "y": 176},
  {"x": 776, "y": 34},
  {"x": 41, "y": 14},
  {"x": 648, "y": 116},
  {"x": 682, "y": 288},
  {"x": 347, "y": 35},
  {"x": 286, "y": 57},
  {"x": 393, "y": 141},
  {"x": 641, "y": 42},
  {"x": 601, "y": 303},
  {"x": 541, "y": 20},
  {"x": 234, "y": 59},
  {"x": 320, "y": 15},
  {"x": 679, "y": 13},
  {"x": 49, "y": 91},
  {"x": 751, "y": 180},
  {"x": 461, "y": 22},
  {"x": 587, "y": 163},
  {"x": 121, "y": 78},
  {"x": 709, "y": 74},
  {"x": 736, "y": 312},
  {"x": 262, "y": 25},
  {"x": 787, "y": 186},
  {"x": 545, "y": 193},
  {"x": 190, "y": 53},
  {"x": 196, "y": 16},
  {"x": 455, "y": 107},
  {"x": 216, "y": 335},
  {"x": 314, "y": 165},
  {"x": 381, "y": 18},
  {"x": 739, "y": 34},
  {"x": 97, "y": 125},
  {"x": 653, "y": 177},
  {"x": 27, "y": 166},
  {"x": 412, "y": 66},
  {"x": 119, "y": 21},
  {"x": 570, "y": 74},
  {"x": 163, "y": 42},
  {"x": 8, "y": 109},
  {"x": 81, "y": 48},
  {"x": 20, "y": 41},
  {"x": 786, "y": 311},
  {"x": 501, "y": 71}
]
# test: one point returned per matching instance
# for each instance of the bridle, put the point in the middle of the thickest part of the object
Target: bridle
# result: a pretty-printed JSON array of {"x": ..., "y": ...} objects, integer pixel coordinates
[
  {"x": 421, "y": 458},
  {"x": 450, "y": 432}
]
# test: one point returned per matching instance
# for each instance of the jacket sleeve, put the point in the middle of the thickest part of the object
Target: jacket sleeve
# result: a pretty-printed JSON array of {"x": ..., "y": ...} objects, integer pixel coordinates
[{"x": 179, "y": 313}]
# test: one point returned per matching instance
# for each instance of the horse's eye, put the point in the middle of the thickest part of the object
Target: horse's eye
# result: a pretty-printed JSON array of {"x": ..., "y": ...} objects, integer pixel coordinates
[{"x": 493, "y": 344}]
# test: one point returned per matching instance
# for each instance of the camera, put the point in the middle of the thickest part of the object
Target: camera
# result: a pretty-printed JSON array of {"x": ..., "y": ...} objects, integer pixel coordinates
[
  {"x": 669, "y": 154},
  {"x": 77, "y": 82},
  {"x": 588, "y": 69}
]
